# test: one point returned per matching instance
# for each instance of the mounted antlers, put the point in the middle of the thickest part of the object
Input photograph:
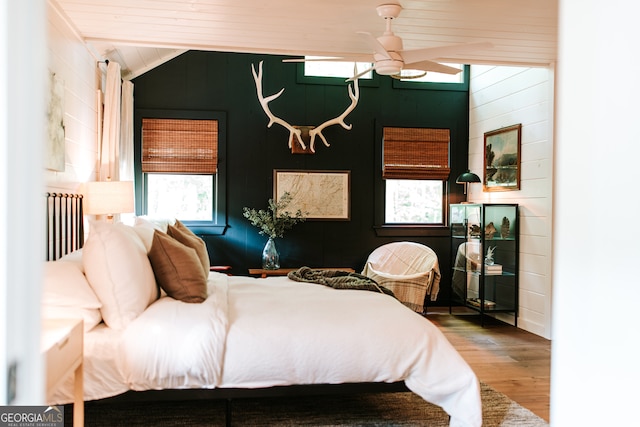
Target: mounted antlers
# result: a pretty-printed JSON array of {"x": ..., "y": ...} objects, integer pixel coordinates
[{"x": 354, "y": 94}]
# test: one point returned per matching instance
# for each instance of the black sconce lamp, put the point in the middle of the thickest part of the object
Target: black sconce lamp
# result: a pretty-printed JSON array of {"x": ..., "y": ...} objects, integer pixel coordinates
[{"x": 467, "y": 178}]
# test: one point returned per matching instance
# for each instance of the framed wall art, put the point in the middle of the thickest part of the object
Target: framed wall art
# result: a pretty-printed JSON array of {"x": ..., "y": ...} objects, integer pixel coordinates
[
  {"x": 502, "y": 159},
  {"x": 54, "y": 149},
  {"x": 320, "y": 194}
]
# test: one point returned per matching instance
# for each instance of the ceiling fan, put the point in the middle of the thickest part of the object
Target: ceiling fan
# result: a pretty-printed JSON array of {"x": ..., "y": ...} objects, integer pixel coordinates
[{"x": 390, "y": 59}]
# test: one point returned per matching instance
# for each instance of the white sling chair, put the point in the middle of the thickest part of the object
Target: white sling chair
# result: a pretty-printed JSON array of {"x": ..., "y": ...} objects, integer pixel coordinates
[{"x": 408, "y": 269}]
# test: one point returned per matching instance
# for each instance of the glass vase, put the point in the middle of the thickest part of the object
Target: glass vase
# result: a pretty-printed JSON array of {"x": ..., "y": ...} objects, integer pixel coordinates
[{"x": 270, "y": 256}]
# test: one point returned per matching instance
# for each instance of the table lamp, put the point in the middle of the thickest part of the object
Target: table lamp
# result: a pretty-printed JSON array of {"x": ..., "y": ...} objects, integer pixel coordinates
[
  {"x": 108, "y": 198},
  {"x": 465, "y": 179}
]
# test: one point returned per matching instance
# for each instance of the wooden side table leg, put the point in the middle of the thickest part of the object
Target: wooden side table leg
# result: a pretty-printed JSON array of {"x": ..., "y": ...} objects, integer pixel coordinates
[{"x": 78, "y": 404}]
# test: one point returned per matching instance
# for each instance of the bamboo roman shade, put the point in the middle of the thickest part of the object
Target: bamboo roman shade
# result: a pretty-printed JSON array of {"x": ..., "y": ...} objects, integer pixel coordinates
[
  {"x": 179, "y": 146},
  {"x": 415, "y": 153}
]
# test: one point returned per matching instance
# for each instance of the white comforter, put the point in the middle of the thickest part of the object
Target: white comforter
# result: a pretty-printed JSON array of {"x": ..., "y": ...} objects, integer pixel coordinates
[{"x": 265, "y": 332}]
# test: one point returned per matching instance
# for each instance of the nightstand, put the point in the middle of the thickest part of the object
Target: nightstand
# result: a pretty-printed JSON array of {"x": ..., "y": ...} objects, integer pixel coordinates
[
  {"x": 62, "y": 347},
  {"x": 226, "y": 269}
]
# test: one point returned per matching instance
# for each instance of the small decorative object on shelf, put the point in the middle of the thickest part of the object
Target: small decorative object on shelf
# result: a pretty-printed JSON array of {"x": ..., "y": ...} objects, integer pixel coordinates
[
  {"x": 504, "y": 228},
  {"x": 273, "y": 222},
  {"x": 488, "y": 259},
  {"x": 489, "y": 231}
]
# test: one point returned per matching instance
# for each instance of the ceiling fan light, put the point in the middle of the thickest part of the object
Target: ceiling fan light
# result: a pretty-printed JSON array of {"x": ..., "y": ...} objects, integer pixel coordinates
[
  {"x": 385, "y": 66},
  {"x": 388, "y": 68}
]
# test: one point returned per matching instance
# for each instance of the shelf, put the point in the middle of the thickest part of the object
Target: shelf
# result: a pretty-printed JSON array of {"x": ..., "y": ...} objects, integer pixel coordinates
[
  {"x": 476, "y": 273},
  {"x": 472, "y": 284}
]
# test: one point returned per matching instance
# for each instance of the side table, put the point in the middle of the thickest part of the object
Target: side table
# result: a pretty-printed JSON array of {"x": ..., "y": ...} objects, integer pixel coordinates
[{"x": 62, "y": 347}]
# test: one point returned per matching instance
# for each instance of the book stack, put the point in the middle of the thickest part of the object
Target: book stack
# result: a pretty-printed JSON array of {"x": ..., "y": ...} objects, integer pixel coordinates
[
  {"x": 492, "y": 269},
  {"x": 476, "y": 302}
]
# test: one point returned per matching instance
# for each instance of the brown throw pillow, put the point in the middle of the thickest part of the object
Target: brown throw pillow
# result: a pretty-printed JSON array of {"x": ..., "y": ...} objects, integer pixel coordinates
[
  {"x": 177, "y": 269},
  {"x": 182, "y": 234}
]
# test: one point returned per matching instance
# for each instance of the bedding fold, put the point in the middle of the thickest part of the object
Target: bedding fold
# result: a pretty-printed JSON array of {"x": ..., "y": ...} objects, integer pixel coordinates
[{"x": 174, "y": 344}]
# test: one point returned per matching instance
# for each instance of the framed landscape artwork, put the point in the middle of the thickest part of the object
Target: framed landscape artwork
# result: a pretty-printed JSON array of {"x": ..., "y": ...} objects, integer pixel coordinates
[
  {"x": 321, "y": 195},
  {"x": 502, "y": 159}
]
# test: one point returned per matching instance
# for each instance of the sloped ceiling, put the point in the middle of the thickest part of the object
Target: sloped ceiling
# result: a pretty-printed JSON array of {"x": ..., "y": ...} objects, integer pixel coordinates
[{"x": 141, "y": 34}]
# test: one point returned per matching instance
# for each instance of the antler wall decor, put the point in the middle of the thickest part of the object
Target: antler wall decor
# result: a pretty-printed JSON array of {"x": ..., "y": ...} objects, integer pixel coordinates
[{"x": 296, "y": 132}]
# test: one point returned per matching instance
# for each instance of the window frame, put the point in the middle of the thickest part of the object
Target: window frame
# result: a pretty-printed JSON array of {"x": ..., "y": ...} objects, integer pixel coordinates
[
  {"x": 395, "y": 84},
  {"x": 384, "y": 229},
  {"x": 218, "y": 224},
  {"x": 460, "y": 87}
]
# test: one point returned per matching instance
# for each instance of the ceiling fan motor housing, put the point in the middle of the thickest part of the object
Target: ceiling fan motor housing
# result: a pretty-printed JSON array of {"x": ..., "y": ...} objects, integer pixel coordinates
[
  {"x": 394, "y": 63},
  {"x": 390, "y": 42}
]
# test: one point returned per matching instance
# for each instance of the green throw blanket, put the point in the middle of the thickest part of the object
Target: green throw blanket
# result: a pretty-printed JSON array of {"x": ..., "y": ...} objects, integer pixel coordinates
[{"x": 337, "y": 279}]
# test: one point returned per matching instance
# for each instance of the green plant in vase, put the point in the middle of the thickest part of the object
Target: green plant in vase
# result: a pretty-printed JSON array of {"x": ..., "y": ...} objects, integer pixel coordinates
[{"x": 273, "y": 222}]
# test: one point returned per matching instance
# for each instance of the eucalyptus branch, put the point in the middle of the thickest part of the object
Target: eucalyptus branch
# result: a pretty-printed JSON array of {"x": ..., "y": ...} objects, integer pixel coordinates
[{"x": 274, "y": 221}]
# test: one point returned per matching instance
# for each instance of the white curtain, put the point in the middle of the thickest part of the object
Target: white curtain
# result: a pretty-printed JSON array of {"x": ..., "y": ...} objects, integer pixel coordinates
[
  {"x": 126, "y": 132},
  {"x": 110, "y": 144},
  {"x": 126, "y": 140}
]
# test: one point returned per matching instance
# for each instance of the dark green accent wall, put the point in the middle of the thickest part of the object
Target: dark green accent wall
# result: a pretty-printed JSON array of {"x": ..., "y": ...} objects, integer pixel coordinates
[{"x": 223, "y": 82}]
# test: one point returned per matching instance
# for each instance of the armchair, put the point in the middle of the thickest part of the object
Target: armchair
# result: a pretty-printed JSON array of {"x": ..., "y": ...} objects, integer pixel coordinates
[{"x": 409, "y": 269}]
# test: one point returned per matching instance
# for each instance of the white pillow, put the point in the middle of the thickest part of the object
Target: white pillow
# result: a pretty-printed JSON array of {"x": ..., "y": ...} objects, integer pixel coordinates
[
  {"x": 159, "y": 223},
  {"x": 74, "y": 257},
  {"x": 118, "y": 269},
  {"x": 145, "y": 226},
  {"x": 67, "y": 294}
]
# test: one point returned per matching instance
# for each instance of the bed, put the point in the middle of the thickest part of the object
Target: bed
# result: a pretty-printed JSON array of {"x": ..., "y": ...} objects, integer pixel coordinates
[{"x": 238, "y": 336}]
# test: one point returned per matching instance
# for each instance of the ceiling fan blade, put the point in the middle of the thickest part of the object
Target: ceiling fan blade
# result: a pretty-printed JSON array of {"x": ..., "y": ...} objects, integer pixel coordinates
[
  {"x": 360, "y": 74},
  {"x": 417, "y": 55},
  {"x": 375, "y": 44},
  {"x": 432, "y": 66}
]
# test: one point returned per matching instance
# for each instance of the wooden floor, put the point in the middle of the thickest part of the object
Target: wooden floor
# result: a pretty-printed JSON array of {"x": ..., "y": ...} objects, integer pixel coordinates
[{"x": 510, "y": 360}]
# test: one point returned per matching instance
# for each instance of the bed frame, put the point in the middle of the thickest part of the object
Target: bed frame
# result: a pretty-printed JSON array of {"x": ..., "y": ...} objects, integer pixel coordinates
[
  {"x": 65, "y": 233},
  {"x": 64, "y": 224}
]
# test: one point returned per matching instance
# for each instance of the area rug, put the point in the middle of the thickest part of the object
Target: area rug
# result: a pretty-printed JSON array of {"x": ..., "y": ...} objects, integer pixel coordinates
[{"x": 380, "y": 409}]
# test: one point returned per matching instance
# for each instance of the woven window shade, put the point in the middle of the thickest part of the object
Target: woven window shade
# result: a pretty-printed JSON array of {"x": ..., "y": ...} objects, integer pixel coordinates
[
  {"x": 180, "y": 146},
  {"x": 416, "y": 153}
]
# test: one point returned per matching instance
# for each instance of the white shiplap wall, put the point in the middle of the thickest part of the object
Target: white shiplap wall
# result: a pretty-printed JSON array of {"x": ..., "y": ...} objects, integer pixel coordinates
[
  {"x": 504, "y": 96},
  {"x": 71, "y": 60}
]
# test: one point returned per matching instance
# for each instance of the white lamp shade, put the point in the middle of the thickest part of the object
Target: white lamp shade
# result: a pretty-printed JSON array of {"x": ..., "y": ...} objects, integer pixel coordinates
[{"x": 108, "y": 197}]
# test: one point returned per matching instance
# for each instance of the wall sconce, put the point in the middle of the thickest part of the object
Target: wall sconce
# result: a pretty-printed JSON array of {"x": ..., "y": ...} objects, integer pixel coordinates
[
  {"x": 465, "y": 179},
  {"x": 108, "y": 198}
]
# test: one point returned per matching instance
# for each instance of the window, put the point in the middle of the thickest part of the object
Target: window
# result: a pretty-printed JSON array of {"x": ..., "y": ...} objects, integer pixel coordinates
[
  {"x": 415, "y": 170},
  {"x": 410, "y": 201},
  {"x": 188, "y": 197},
  {"x": 319, "y": 71},
  {"x": 180, "y": 169},
  {"x": 316, "y": 67}
]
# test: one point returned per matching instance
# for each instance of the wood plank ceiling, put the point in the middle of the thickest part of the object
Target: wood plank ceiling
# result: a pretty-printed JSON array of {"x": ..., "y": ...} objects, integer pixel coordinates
[{"x": 141, "y": 34}]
